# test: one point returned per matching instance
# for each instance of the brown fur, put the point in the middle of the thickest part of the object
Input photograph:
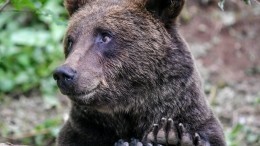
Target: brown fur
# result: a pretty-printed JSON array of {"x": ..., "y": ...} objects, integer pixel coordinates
[{"x": 145, "y": 73}]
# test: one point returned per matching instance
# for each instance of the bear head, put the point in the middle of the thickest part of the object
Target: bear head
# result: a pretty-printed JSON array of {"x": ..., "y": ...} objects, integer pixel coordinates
[{"x": 119, "y": 51}]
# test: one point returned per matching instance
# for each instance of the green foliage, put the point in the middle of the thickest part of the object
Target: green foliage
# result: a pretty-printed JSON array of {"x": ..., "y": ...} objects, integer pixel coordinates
[
  {"x": 232, "y": 135},
  {"x": 42, "y": 134},
  {"x": 31, "y": 33},
  {"x": 248, "y": 2},
  {"x": 30, "y": 46},
  {"x": 46, "y": 131},
  {"x": 222, "y": 2},
  {"x": 241, "y": 133}
]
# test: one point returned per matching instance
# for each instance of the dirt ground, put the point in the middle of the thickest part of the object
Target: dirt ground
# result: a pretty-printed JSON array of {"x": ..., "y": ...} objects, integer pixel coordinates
[{"x": 226, "y": 47}]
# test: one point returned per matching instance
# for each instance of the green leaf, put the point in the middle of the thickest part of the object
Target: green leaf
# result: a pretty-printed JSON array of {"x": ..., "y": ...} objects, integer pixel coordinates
[
  {"x": 252, "y": 138},
  {"x": 30, "y": 37},
  {"x": 257, "y": 100},
  {"x": 23, "y": 4},
  {"x": 221, "y": 4},
  {"x": 22, "y": 77},
  {"x": 39, "y": 139},
  {"x": 23, "y": 60},
  {"x": 50, "y": 101},
  {"x": 30, "y": 45},
  {"x": 248, "y": 2},
  {"x": 2, "y": 1},
  {"x": 6, "y": 85},
  {"x": 236, "y": 130},
  {"x": 55, "y": 131}
]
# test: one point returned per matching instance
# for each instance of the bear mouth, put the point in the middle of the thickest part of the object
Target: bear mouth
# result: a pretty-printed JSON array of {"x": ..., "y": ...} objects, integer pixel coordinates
[
  {"x": 82, "y": 94},
  {"x": 83, "y": 98},
  {"x": 79, "y": 93}
]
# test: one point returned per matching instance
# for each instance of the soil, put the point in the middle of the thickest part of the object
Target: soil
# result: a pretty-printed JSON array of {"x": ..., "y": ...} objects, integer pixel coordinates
[{"x": 226, "y": 46}]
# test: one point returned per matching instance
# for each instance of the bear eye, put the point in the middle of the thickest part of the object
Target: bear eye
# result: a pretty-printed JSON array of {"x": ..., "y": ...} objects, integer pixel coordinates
[
  {"x": 104, "y": 38},
  {"x": 69, "y": 44}
]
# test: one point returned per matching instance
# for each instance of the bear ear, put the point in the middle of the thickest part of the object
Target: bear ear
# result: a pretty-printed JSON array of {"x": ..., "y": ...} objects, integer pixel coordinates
[
  {"x": 166, "y": 10},
  {"x": 73, "y": 5}
]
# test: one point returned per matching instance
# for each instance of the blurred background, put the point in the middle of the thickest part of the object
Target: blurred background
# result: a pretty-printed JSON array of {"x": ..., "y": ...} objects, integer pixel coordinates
[{"x": 225, "y": 44}]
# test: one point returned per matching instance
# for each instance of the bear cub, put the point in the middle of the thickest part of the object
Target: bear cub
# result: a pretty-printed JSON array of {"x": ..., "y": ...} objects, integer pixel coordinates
[{"x": 129, "y": 74}]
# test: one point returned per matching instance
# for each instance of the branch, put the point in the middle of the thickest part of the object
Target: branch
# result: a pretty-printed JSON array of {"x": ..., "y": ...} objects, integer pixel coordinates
[
  {"x": 28, "y": 135},
  {"x": 7, "y": 2}
]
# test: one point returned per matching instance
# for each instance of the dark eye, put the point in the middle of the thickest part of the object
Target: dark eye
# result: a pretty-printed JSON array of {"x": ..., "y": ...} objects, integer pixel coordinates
[
  {"x": 104, "y": 38},
  {"x": 69, "y": 44}
]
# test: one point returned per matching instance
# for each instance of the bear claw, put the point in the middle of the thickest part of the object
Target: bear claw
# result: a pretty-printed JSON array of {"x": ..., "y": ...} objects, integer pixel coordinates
[{"x": 167, "y": 133}]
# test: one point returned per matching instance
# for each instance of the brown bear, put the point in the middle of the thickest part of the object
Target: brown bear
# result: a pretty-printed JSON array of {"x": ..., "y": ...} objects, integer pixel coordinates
[{"x": 126, "y": 69}]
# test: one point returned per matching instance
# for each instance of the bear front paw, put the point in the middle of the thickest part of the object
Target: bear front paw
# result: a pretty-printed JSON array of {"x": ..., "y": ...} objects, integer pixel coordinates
[
  {"x": 169, "y": 133},
  {"x": 134, "y": 142}
]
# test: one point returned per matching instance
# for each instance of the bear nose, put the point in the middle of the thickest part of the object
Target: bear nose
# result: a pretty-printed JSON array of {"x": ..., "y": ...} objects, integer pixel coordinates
[{"x": 64, "y": 73}]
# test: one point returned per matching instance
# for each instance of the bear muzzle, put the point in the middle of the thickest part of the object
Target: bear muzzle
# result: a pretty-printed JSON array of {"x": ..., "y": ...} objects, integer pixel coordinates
[
  {"x": 72, "y": 84},
  {"x": 66, "y": 78}
]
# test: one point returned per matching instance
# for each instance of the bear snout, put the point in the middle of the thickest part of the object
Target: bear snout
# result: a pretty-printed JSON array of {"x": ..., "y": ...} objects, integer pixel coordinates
[{"x": 65, "y": 77}]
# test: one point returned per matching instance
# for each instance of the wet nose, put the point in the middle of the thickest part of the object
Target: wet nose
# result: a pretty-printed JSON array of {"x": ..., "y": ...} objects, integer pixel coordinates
[{"x": 64, "y": 74}]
